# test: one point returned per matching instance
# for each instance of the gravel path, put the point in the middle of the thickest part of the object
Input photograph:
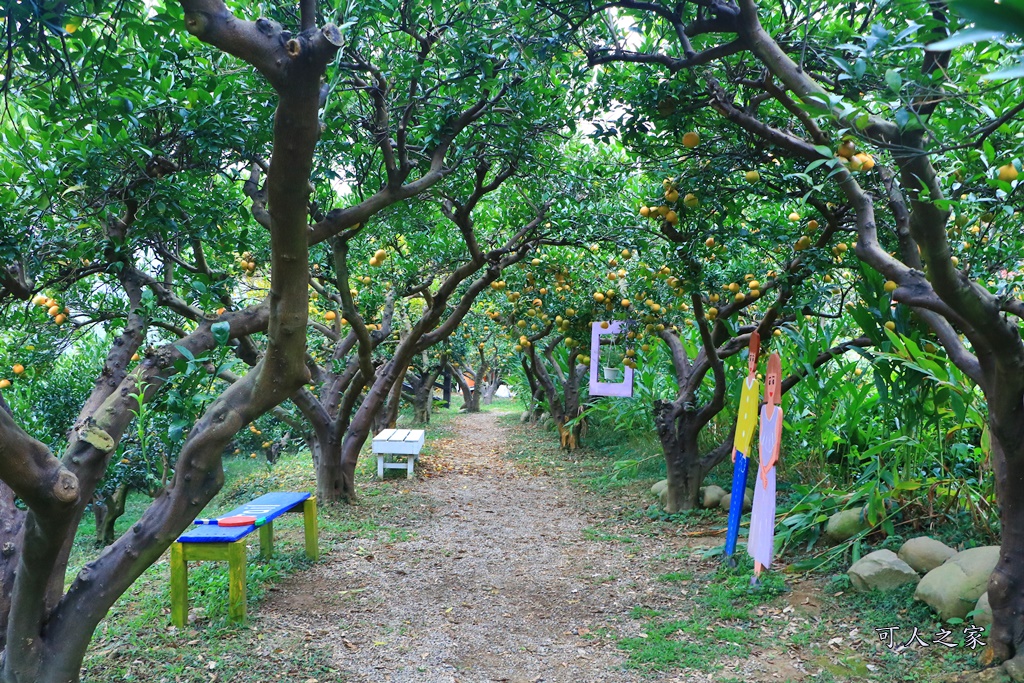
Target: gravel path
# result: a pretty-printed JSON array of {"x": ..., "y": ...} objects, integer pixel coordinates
[
  {"x": 498, "y": 583},
  {"x": 496, "y": 571}
]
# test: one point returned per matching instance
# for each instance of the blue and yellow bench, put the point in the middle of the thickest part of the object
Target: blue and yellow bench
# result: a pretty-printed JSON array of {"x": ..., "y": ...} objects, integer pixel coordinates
[{"x": 208, "y": 541}]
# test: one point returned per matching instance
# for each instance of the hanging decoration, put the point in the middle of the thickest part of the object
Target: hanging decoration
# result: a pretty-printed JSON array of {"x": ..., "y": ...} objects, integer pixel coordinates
[{"x": 614, "y": 378}]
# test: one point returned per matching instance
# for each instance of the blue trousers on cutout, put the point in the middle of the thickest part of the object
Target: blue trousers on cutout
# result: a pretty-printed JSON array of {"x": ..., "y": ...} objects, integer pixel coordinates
[{"x": 739, "y": 489}]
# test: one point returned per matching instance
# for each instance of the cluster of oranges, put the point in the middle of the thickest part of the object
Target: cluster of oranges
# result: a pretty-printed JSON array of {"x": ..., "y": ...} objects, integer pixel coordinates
[
  {"x": 53, "y": 309},
  {"x": 246, "y": 263},
  {"x": 378, "y": 258}
]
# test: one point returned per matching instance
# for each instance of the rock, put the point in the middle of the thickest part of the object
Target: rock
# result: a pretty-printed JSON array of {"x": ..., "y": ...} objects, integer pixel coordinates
[
  {"x": 712, "y": 496},
  {"x": 881, "y": 570},
  {"x": 846, "y": 524},
  {"x": 525, "y": 417},
  {"x": 996, "y": 674},
  {"x": 953, "y": 588},
  {"x": 925, "y": 554},
  {"x": 1014, "y": 668},
  {"x": 663, "y": 497},
  {"x": 748, "y": 501},
  {"x": 659, "y": 487},
  {"x": 983, "y": 611}
]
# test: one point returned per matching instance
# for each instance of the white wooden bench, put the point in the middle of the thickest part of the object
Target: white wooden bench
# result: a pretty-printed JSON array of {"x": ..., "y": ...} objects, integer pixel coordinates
[{"x": 402, "y": 443}]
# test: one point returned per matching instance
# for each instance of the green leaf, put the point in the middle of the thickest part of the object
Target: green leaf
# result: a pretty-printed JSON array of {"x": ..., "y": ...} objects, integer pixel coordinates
[
  {"x": 966, "y": 37},
  {"x": 893, "y": 80},
  {"x": 1005, "y": 16},
  {"x": 1005, "y": 74},
  {"x": 221, "y": 331}
]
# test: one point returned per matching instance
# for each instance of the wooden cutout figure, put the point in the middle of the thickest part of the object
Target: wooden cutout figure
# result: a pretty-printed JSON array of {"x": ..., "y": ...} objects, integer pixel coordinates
[
  {"x": 761, "y": 542},
  {"x": 597, "y": 387},
  {"x": 746, "y": 421}
]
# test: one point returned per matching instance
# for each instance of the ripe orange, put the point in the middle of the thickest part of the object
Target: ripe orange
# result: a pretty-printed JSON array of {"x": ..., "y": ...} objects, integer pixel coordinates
[{"x": 691, "y": 139}]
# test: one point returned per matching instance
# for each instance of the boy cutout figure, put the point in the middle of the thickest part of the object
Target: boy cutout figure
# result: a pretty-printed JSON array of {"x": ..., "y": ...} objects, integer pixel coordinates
[
  {"x": 746, "y": 421},
  {"x": 761, "y": 541}
]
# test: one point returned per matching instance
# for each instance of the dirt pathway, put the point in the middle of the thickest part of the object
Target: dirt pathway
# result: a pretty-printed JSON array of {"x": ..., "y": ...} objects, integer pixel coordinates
[{"x": 501, "y": 582}]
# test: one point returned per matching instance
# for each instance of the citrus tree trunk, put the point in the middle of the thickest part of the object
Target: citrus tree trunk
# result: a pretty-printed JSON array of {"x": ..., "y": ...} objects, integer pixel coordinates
[
  {"x": 107, "y": 509},
  {"x": 470, "y": 395},
  {"x": 1006, "y": 585}
]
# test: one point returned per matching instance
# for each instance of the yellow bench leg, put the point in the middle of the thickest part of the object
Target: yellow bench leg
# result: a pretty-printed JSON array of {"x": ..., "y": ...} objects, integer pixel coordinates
[
  {"x": 179, "y": 586},
  {"x": 236, "y": 581},
  {"x": 267, "y": 540},
  {"x": 312, "y": 528}
]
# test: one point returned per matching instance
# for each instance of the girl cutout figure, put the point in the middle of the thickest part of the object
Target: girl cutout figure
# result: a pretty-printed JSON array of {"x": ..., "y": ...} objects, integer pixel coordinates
[
  {"x": 761, "y": 542},
  {"x": 746, "y": 423}
]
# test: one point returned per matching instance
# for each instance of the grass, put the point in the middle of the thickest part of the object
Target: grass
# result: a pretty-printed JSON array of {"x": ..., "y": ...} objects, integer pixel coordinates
[
  {"x": 720, "y": 619},
  {"x": 135, "y": 641},
  {"x": 701, "y": 617}
]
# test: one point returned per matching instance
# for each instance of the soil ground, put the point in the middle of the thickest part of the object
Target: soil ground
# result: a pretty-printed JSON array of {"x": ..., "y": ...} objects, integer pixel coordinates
[{"x": 504, "y": 574}]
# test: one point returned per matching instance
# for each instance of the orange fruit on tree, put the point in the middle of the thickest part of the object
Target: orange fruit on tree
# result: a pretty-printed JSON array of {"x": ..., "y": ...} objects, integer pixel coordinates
[
  {"x": 691, "y": 139},
  {"x": 4, "y": 383},
  {"x": 330, "y": 315}
]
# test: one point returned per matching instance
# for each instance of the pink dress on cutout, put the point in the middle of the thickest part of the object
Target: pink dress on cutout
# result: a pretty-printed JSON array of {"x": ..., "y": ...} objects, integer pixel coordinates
[{"x": 761, "y": 541}]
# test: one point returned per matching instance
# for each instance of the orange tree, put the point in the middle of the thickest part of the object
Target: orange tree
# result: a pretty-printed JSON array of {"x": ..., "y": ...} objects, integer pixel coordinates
[
  {"x": 442, "y": 261},
  {"x": 477, "y": 356},
  {"x": 52, "y": 625},
  {"x": 177, "y": 215},
  {"x": 933, "y": 218}
]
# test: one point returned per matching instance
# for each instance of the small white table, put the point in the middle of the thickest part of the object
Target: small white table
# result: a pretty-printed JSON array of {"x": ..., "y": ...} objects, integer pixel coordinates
[{"x": 403, "y": 443}]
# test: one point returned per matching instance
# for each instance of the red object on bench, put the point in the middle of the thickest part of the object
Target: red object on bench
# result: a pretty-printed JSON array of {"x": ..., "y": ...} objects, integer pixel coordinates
[{"x": 236, "y": 520}]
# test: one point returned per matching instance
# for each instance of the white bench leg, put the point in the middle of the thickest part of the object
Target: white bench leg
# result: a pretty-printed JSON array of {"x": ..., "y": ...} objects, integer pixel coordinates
[
  {"x": 409, "y": 460},
  {"x": 380, "y": 466}
]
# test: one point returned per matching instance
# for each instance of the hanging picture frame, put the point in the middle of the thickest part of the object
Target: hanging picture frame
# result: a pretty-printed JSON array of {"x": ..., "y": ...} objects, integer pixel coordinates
[{"x": 614, "y": 379}]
